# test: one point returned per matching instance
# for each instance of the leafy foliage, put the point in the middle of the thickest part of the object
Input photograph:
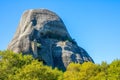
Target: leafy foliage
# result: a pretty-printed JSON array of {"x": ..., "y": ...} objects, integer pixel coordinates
[
  {"x": 18, "y": 67},
  {"x": 15, "y": 66},
  {"x": 90, "y": 71}
]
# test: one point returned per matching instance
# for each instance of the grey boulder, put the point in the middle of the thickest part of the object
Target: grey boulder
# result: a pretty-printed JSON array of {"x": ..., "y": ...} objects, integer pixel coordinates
[{"x": 43, "y": 34}]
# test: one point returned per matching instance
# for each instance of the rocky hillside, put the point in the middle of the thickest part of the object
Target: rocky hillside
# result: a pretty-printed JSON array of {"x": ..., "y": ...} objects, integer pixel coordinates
[{"x": 43, "y": 34}]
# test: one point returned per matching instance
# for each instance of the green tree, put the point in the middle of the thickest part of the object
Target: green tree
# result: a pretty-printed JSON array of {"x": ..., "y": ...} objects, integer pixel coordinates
[
  {"x": 72, "y": 72},
  {"x": 88, "y": 71},
  {"x": 102, "y": 72},
  {"x": 85, "y": 71},
  {"x": 15, "y": 66},
  {"x": 36, "y": 71},
  {"x": 114, "y": 70},
  {"x": 18, "y": 67},
  {"x": 11, "y": 62}
]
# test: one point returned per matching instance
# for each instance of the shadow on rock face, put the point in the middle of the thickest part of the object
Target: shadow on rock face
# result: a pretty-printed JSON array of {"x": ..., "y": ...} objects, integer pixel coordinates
[
  {"x": 73, "y": 58},
  {"x": 57, "y": 58}
]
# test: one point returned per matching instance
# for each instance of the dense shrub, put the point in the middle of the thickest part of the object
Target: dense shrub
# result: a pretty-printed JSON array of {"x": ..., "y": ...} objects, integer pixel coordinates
[
  {"x": 15, "y": 66},
  {"x": 18, "y": 67}
]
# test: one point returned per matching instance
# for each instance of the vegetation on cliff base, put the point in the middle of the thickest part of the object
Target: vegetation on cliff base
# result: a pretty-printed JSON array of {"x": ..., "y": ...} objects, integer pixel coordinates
[{"x": 18, "y": 67}]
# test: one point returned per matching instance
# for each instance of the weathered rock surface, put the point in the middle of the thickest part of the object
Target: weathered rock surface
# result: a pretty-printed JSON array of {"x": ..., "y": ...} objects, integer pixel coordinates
[{"x": 43, "y": 34}]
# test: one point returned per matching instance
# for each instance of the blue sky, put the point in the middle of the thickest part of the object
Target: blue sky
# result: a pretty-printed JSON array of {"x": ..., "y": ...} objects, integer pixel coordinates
[{"x": 94, "y": 24}]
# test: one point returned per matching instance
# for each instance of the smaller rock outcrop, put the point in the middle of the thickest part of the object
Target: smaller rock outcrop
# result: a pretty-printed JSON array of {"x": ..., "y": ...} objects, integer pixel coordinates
[{"x": 43, "y": 34}]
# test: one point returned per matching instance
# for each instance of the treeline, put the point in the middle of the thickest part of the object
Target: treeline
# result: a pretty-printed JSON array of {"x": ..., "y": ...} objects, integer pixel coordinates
[{"x": 18, "y": 67}]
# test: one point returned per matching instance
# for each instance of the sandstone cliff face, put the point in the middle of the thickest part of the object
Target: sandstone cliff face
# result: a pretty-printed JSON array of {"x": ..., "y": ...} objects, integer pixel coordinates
[{"x": 43, "y": 34}]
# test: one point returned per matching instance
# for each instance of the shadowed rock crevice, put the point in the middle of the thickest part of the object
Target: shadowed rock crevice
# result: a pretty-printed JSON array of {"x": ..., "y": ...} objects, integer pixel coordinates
[
  {"x": 43, "y": 34},
  {"x": 34, "y": 22}
]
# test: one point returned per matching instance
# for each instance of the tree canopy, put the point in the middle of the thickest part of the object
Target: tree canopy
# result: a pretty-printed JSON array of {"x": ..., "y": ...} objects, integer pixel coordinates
[
  {"x": 15, "y": 66},
  {"x": 18, "y": 67}
]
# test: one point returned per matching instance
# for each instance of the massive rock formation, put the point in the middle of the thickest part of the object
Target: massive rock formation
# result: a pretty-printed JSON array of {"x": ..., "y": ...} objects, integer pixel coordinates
[{"x": 43, "y": 34}]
